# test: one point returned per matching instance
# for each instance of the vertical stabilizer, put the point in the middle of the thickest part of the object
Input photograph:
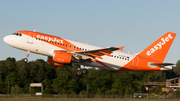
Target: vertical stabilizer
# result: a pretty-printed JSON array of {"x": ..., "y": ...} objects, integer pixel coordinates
[{"x": 159, "y": 49}]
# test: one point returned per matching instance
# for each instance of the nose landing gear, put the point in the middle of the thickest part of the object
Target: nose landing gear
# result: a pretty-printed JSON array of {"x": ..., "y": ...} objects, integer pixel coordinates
[
  {"x": 25, "y": 60},
  {"x": 27, "y": 55}
]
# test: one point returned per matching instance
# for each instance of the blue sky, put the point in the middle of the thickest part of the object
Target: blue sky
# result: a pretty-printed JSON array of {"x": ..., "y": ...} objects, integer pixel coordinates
[{"x": 131, "y": 23}]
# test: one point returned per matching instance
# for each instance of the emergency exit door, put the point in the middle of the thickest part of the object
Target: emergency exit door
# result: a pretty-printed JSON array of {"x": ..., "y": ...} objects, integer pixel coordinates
[{"x": 30, "y": 38}]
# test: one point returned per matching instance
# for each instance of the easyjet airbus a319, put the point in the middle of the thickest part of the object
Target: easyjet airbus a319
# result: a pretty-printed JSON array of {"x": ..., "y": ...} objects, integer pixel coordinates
[{"x": 62, "y": 51}]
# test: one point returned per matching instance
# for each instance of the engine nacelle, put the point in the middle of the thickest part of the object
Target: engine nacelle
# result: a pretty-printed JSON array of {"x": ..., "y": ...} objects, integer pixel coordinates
[
  {"x": 51, "y": 62},
  {"x": 62, "y": 57}
]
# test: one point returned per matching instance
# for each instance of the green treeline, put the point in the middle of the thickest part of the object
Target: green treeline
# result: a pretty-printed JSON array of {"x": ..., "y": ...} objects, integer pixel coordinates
[{"x": 17, "y": 76}]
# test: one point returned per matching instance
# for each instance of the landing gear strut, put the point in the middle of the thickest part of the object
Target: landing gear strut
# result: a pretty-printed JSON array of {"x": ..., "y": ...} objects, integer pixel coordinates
[
  {"x": 27, "y": 55},
  {"x": 81, "y": 72}
]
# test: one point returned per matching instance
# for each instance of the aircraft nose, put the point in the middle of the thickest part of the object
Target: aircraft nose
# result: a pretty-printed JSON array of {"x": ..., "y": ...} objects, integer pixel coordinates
[{"x": 7, "y": 39}]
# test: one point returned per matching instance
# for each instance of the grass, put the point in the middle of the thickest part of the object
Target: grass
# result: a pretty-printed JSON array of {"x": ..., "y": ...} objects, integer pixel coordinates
[{"x": 81, "y": 99}]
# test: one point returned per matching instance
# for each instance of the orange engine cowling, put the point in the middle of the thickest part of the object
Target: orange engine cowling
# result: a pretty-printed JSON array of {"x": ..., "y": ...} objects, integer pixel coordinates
[
  {"x": 51, "y": 62},
  {"x": 62, "y": 57}
]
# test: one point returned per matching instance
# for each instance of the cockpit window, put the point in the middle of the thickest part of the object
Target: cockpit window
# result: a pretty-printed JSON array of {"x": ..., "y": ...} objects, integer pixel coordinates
[{"x": 18, "y": 34}]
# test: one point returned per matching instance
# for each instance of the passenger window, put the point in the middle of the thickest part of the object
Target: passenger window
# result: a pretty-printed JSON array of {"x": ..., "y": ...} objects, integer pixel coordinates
[{"x": 128, "y": 58}]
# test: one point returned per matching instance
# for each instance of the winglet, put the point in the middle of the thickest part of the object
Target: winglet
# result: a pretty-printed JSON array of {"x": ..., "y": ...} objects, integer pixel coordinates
[{"x": 121, "y": 48}]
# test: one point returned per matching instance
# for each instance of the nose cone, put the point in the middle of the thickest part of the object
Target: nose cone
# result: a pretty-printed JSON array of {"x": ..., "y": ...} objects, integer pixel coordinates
[
  {"x": 8, "y": 39},
  {"x": 5, "y": 39}
]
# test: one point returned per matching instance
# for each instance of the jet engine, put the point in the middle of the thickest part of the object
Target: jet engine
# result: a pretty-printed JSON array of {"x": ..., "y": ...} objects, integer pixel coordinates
[
  {"x": 51, "y": 62},
  {"x": 60, "y": 58}
]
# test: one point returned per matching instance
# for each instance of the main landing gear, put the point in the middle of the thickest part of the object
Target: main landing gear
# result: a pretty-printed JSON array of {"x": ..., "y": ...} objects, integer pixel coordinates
[
  {"x": 27, "y": 55},
  {"x": 81, "y": 72}
]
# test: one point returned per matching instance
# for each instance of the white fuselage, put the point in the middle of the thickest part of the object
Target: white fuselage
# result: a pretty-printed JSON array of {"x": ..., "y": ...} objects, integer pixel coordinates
[{"x": 27, "y": 43}]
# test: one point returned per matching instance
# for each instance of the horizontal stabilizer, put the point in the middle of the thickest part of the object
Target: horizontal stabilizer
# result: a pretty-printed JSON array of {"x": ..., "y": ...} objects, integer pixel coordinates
[
  {"x": 162, "y": 64},
  {"x": 166, "y": 68}
]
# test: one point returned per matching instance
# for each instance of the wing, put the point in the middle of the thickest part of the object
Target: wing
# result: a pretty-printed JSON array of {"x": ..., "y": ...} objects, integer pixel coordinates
[{"x": 92, "y": 54}]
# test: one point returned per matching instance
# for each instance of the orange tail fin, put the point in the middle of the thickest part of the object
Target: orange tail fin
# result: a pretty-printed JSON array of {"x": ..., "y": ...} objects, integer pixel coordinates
[{"x": 159, "y": 49}]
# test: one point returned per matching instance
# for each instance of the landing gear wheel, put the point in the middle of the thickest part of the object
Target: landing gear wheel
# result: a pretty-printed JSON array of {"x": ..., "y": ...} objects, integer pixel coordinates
[
  {"x": 25, "y": 60},
  {"x": 84, "y": 71},
  {"x": 78, "y": 72},
  {"x": 27, "y": 55}
]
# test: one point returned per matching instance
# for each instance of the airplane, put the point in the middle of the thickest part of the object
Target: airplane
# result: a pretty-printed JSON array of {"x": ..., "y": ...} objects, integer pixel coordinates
[{"x": 60, "y": 51}]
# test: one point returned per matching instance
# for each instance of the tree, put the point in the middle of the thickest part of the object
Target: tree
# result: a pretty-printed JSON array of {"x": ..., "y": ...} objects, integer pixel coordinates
[
  {"x": 176, "y": 69},
  {"x": 16, "y": 90},
  {"x": 63, "y": 80}
]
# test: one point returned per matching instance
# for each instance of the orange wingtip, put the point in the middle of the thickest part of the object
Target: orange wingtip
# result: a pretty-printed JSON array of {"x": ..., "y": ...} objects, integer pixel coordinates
[{"x": 121, "y": 48}]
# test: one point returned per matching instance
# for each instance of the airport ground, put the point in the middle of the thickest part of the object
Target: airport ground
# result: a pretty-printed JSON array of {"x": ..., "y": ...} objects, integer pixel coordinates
[{"x": 81, "y": 99}]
